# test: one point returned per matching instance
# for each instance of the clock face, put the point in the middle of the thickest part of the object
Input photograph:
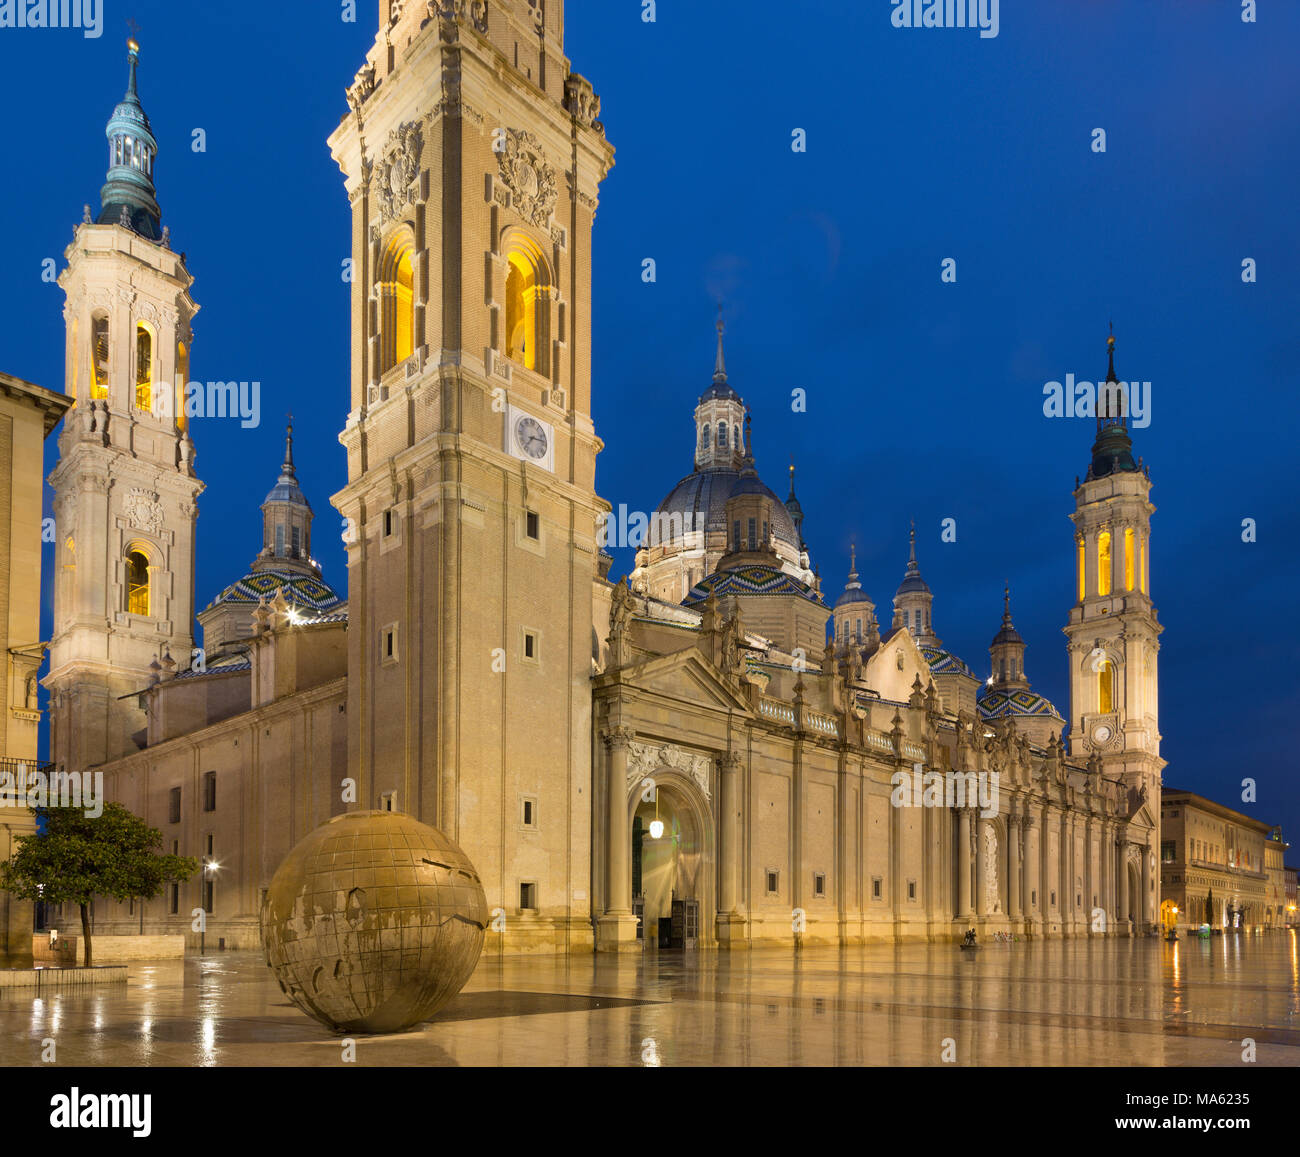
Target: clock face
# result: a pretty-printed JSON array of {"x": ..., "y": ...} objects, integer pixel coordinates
[
  {"x": 1101, "y": 733},
  {"x": 530, "y": 434}
]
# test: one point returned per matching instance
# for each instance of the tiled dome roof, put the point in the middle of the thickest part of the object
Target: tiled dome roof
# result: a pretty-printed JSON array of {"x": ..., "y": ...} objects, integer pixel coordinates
[
  {"x": 299, "y": 589},
  {"x": 945, "y": 662},
  {"x": 749, "y": 580},
  {"x": 1001, "y": 704}
]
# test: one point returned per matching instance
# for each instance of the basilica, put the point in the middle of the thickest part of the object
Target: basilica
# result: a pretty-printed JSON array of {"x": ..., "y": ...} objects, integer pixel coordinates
[{"x": 704, "y": 754}]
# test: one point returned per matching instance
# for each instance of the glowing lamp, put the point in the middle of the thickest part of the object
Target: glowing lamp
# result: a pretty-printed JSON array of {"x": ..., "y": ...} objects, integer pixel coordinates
[{"x": 656, "y": 829}]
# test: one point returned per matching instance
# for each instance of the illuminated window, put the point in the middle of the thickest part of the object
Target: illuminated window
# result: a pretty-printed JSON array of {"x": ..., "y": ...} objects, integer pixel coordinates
[
  {"x": 182, "y": 378},
  {"x": 137, "y": 583},
  {"x": 1106, "y": 688},
  {"x": 143, "y": 369},
  {"x": 526, "y": 317},
  {"x": 99, "y": 350},
  {"x": 397, "y": 303},
  {"x": 1130, "y": 561},
  {"x": 1103, "y": 563},
  {"x": 1081, "y": 556}
]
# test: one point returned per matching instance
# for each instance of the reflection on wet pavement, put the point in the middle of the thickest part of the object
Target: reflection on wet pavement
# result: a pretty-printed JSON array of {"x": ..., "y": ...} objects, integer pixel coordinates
[{"x": 1114, "y": 1002}]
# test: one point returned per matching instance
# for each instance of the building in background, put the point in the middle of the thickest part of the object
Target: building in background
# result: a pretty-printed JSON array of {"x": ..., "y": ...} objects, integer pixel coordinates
[
  {"x": 28, "y": 414},
  {"x": 1275, "y": 901},
  {"x": 1212, "y": 864}
]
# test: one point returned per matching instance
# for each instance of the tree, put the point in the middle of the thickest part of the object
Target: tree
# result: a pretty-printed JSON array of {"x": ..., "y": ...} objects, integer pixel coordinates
[{"x": 78, "y": 857}]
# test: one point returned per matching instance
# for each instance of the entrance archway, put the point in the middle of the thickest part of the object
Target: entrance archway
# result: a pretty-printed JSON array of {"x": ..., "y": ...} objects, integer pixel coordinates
[{"x": 673, "y": 886}]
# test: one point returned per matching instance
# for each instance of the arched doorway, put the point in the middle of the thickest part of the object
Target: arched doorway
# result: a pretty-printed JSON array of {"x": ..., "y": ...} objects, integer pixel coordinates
[
  {"x": 673, "y": 865},
  {"x": 1135, "y": 897},
  {"x": 1168, "y": 916}
]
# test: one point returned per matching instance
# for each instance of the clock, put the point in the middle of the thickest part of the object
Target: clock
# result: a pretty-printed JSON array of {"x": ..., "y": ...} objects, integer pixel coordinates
[
  {"x": 1101, "y": 734},
  {"x": 529, "y": 438}
]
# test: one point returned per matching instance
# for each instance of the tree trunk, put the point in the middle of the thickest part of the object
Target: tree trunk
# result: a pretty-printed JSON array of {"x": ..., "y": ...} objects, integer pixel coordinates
[{"x": 85, "y": 933}]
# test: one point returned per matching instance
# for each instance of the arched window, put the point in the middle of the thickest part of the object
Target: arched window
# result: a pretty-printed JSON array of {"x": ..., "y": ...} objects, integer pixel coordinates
[
  {"x": 527, "y": 320},
  {"x": 143, "y": 368},
  {"x": 396, "y": 302},
  {"x": 1103, "y": 563},
  {"x": 1081, "y": 556},
  {"x": 722, "y": 434},
  {"x": 1144, "y": 564},
  {"x": 735, "y": 440},
  {"x": 1130, "y": 561},
  {"x": 704, "y": 437},
  {"x": 137, "y": 583},
  {"x": 182, "y": 380},
  {"x": 1106, "y": 688},
  {"x": 99, "y": 356}
]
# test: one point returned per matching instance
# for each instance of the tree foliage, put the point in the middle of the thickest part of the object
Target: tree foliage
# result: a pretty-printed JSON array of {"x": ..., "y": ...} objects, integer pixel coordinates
[{"x": 115, "y": 854}]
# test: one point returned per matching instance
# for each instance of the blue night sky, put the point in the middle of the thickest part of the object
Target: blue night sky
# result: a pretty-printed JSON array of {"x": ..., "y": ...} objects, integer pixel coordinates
[{"x": 924, "y": 399}]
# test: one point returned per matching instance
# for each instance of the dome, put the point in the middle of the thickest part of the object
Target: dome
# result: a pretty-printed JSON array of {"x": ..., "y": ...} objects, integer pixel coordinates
[
  {"x": 944, "y": 662},
  {"x": 853, "y": 595},
  {"x": 749, "y": 581},
  {"x": 1008, "y": 634},
  {"x": 720, "y": 391},
  {"x": 286, "y": 489},
  {"x": 1004, "y": 704},
  {"x": 299, "y": 590},
  {"x": 701, "y": 500},
  {"x": 913, "y": 582}
]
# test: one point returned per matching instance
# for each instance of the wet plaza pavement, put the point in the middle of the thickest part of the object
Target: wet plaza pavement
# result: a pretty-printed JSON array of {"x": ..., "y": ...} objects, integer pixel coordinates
[{"x": 1077, "y": 1002}]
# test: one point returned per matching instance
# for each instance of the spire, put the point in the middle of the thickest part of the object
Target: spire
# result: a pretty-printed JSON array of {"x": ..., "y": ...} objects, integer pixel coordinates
[
  {"x": 912, "y": 568},
  {"x": 853, "y": 582},
  {"x": 128, "y": 197},
  {"x": 720, "y": 366},
  {"x": 286, "y": 468},
  {"x": 1112, "y": 452},
  {"x": 795, "y": 508},
  {"x": 1007, "y": 650}
]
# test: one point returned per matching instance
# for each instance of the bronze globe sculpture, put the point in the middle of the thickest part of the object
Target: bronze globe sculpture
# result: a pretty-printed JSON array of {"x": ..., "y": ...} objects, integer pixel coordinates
[{"x": 373, "y": 922}]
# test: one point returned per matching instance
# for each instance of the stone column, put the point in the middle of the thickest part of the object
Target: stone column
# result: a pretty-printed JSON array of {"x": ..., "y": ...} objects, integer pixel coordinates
[
  {"x": 1013, "y": 866},
  {"x": 1122, "y": 901},
  {"x": 1144, "y": 913},
  {"x": 616, "y": 929},
  {"x": 730, "y": 924},
  {"x": 963, "y": 863},
  {"x": 981, "y": 874},
  {"x": 1027, "y": 867}
]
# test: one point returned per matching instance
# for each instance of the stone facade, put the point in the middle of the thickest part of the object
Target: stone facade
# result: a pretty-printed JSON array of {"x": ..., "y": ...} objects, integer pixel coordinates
[{"x": 1212, "y": 864}]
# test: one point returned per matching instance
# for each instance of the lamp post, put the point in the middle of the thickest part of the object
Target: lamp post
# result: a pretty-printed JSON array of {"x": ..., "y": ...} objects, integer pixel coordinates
[{"x": 210, "y": 869}]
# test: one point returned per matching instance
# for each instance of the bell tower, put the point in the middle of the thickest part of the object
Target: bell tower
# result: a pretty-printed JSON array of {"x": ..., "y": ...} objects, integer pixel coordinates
[
  {"x": 472, "y": 159},
  {"x": 1113, "y": 631},
  {"x": 125, "y": 491}
]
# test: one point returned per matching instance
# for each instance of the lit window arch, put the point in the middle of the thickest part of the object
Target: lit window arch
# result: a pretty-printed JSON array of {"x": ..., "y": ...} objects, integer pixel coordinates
[
  {"x": 1106, "y": 688},
  {"x": 144, "y": 366},
  {"x": 182, "y": 380},
  {"x": 397, "y": 300},
  {"x": 528, "y": 281},
  {"x": 99, "y": 356},
  {"x": 1103, "y": 563},
  {"x": 138, "y": 582}
]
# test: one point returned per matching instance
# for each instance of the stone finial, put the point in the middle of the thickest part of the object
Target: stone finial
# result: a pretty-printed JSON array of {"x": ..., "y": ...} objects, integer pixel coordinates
[{"x": 85, "y": 215}]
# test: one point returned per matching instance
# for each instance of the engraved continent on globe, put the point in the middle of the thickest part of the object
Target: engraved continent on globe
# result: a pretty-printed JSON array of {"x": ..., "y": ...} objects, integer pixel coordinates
[{"x": 373, "y": 922}]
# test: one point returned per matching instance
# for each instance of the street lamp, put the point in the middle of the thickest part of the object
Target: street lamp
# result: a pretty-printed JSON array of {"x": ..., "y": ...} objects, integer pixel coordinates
[{"x": 210, "y": 869}]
